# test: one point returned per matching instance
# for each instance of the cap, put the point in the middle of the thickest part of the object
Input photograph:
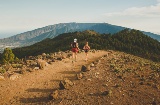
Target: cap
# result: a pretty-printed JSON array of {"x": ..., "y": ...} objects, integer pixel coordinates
[{"x": 75, "y": 40}]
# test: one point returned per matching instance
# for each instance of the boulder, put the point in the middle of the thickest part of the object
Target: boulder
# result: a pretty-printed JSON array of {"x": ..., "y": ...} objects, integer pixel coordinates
[
  {"x": 65, "y": 84},
  {"x": 43, "y": 54},
  {"x": 54, "y": 95},
  {"x": 85, "y": 68},
  {"x": 42, "y": 63}
]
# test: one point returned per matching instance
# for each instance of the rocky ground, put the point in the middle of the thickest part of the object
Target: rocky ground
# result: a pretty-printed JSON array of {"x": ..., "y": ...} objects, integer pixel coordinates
[{"x": 107, "y": 78}]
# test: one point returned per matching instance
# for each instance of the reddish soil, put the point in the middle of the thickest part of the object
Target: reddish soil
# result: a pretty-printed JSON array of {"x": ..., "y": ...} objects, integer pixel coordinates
[{"x": 116, "y": 79}]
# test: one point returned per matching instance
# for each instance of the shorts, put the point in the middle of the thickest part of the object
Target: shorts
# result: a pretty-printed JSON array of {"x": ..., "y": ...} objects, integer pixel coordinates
[
  {"x": 74, "y": 50},
  {"x": 86, "y": 51}
]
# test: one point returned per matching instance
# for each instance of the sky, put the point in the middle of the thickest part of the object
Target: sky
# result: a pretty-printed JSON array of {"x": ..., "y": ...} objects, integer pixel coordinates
[{"x": 18, "y": 16}]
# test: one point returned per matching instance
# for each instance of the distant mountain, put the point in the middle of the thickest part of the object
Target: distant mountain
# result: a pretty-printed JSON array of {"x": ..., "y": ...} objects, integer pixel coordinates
[
  {"x": 154, "y": 36},
  {"x": 130, "y": 41},
  {"x": 37, "y": 35}
]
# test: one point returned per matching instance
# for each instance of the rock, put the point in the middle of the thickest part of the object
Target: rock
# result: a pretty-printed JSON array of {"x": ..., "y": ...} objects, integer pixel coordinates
[
  {"x": 88, "y": 68},
  {"x": 39, "y": 57},
  {"x": 43, "y": 54},
  {"x": 111, "y": 103},
  {"x": 85, "y": 68},
  {"x": 105, "y": 85},
  {"x": 88, "y": 79},
  {"x": 33, "y": 63},
  {"x": 105, "y": 55},
  {"x": 65, "y": 84},
  {"x": 2, "y": 78},
  {"x": 158, "y": 87},
  {"x": 91, "y": 93},
  {"x": 54, "y": 95},
  {"x": 30, "y": 70},
  {"x": 102, "y": 58},
  {"x": 93, "y": 51},
  {"x": 79, "y": 76},
  {"x": 51, "y": 63},
  {"x": 108, "y": 93},
  {"x": 92, "y": 65},
  {"x": 14, "y": 76},
  {"x": 22, "y": 71},
  {"x": 59, "y": 58},
  {"x": 42, "y": 63},
  {"x": 36, "y": 68},
  {"x": 64, "y": 57},
  {"x": 97, "y": 73}
]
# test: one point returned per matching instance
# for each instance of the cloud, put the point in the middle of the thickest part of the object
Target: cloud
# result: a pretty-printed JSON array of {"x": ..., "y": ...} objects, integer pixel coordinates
[{"x": 150, "y": 11}]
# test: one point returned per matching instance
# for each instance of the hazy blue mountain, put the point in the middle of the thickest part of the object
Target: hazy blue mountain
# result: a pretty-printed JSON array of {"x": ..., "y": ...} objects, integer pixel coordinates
[
  {"x": 31, "y": 37},
  {"x": 154, "y": 36}
]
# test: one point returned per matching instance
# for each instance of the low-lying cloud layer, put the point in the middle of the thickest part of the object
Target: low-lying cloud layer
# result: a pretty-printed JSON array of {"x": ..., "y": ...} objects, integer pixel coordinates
[{"x": 150, "y": 11}]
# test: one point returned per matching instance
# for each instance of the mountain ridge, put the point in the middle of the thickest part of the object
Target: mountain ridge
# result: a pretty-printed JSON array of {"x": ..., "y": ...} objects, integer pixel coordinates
[
  {"x": 130, "y": 41},
  {"x": 39, "y": 34}
]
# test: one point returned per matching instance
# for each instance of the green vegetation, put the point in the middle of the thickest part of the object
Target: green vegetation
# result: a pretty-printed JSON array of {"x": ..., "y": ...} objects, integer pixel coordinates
[
  {"x": 7, "y": 56},
  {"x": 129, "y": 41},
  {"x": 2, "y": 70}
]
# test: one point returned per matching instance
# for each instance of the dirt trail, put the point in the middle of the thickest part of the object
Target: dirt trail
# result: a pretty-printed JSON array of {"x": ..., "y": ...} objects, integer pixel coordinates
[{"x": 35, "y": 87}]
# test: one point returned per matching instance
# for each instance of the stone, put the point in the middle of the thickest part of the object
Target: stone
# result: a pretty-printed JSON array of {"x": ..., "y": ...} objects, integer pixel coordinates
[
  {"x": 33, "y": 63},
  {"x": 22, "y": 71},
  {"x": 42, "y": 63},
  {"x": 85, "y": 68},
  {"x": 65, "y": 84},
  {"x": 79, "y": 76},
  {"x": 88, "y": 79},
  {"x": 107, "y": 93},
  {"x": 14, "y": 76},
  {"x": 2, "y": 78},
  {"x": 59, "y": 58},
  {"x": 54, "y": 95},
  {"x": 92, "y": 65},
  {"x": 36, "y": 68}
]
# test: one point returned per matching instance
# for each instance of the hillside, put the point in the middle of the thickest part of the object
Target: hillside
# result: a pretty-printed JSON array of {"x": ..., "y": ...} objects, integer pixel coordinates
[
  {"x": 37, "y": 35},
  {"x": 130, "y": 41},
  {"x": 112, "y": 77}
]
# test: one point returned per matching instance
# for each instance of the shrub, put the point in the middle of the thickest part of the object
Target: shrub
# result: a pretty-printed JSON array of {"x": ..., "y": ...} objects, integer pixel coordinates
[
  {"x": 8, "y": 56},
  {"x": 2, "y": 70}
]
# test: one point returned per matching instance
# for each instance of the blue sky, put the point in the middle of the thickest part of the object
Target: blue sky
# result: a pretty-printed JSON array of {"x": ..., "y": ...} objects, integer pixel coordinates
[{"x": 18, "y": 16}]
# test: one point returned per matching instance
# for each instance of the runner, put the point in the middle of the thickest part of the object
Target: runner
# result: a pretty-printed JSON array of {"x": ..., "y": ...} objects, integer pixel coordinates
[
  {"x": 75, "y": 49},
  {"x": 86, "y": 48}
]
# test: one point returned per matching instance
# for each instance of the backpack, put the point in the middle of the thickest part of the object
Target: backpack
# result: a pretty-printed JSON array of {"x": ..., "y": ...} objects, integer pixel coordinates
[{"x": 74, "y": 45}]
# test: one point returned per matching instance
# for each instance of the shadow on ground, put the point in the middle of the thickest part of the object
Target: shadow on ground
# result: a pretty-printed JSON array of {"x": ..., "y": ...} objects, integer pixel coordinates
[
  {"x": 34, "y": 100},
  {"x": 37, "y": 100},
  {"x": 39, "y": 90}
]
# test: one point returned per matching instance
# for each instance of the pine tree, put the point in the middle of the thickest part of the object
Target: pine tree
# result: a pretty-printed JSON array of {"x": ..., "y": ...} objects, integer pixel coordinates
[{"x": 7, "y": 56}]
